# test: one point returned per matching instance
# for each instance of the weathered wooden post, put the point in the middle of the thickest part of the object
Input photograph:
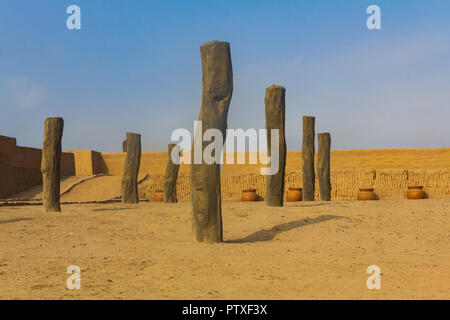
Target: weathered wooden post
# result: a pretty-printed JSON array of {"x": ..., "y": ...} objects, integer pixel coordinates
[
  {"x": 124, "y": 146},
  {"x": 129, "y": 186},
  {"x": 170, "y": 178},
  {"x": 308, "y": 174},
  {"x": 275, "y": 119},
  {"x": 217, "y": 89},
  {"x": 51, "y": 164},
  {"x": 323, "y": 166}
]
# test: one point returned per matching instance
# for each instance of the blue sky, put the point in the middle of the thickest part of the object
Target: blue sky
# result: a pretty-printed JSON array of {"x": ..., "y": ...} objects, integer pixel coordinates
[{"x": 135, "y": 66}]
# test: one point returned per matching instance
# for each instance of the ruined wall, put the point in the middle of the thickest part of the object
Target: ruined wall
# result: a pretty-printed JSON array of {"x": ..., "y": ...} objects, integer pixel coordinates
[
  {"x": 389, "y": 171},
  {"x": 87, "y": 162},
  {"x": 432, "y": 158},
  {"x": 388, "y": 183},
  {"x": 20, "y": 167},
  {"x": 151, "y": 162}
]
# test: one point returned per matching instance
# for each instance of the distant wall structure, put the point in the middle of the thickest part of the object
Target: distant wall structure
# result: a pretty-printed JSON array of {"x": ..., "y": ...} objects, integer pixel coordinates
[
  {"x": 389, "y": 171},
  {"x": 87, "y": 162},
  {"x": 388, "y": 183},
  {"x": 20, "y": 167},
  {"x": 427, "y": 159}
]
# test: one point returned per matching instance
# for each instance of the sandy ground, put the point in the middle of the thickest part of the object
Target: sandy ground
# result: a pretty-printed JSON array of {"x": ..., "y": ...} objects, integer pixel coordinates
[
  {"x": 302, "y": 251},
  {"x": 36, "y": 191},
  {"x": 82, "y": 188}
]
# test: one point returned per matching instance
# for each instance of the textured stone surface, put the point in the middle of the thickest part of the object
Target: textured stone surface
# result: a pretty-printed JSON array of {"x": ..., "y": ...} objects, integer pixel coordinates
[
  {"x": 275, "y": 119},
  {"x": 308, "y": 158},
  {"x": 217, "y": 82},
  {"x": 51, "y": 164},
  {"x": 170, "y": 178},
  {"x": 129, "y": 185},
  {"x": 323, "y": 166}
]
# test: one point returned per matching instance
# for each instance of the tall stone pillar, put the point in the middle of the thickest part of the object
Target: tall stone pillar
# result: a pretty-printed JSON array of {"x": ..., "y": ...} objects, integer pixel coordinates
[
  {"x": 129, "y": 186},
  {"x": 171, "y": 176},
  {"x": 323, "y": 166},
  {"x": 308, "y": 174},
  {"x": 275, "y": 119},
  {"x": 217, "y": 82},
  {"x": 51, "y": 164}
]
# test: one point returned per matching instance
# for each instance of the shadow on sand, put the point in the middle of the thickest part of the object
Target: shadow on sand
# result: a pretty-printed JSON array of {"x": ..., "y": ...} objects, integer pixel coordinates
[
  {"x": 304, "y": 205},
  {"x": 113, "y": 209},
  {"x": 15, "y": 220},
  {"x": 267, "y": 235}
]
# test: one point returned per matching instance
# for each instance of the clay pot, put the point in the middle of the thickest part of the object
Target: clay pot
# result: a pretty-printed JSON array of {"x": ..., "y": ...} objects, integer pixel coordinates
[
  {"x": 159, "y": 196},
  {"x": 249, "y": 195},
  {"x": 366, "y": 194},
  {"x": 294, "y": 195},
  {"x": 415, "y": 192}
]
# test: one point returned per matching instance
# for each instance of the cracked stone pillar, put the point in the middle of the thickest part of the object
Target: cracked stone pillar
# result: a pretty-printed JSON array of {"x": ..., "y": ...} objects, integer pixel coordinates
[
  {"x": 51, "y": 164},
  {"x": 217, "y": 89},
  {"x": 129, "y": 186},
  {"x": 275, "y": 119},
  {"x": 323, "y": 166},
  {"x": 170, "y": 178},
  {"x": 308, "y": 174}
]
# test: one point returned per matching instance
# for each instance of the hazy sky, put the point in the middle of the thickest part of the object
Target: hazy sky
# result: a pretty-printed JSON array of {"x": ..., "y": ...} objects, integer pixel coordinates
[{"x": 135, "y": 66}]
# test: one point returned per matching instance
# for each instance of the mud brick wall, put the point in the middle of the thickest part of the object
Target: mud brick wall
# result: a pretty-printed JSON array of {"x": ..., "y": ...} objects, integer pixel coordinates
[
  {"x": 388, "y": 183},
  {"x": 20, "y": 167}
]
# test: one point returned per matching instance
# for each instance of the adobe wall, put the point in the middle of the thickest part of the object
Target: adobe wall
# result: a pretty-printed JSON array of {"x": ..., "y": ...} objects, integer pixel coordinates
[
  {"x": 87, "y": 162},
  {"x": 388, "y": 170},
  {"x": 432, "y": 158},
  {"x": 388, "y": 183},
  {"x": 20, "y": 167},
  {"x": 151, "y": 162}
]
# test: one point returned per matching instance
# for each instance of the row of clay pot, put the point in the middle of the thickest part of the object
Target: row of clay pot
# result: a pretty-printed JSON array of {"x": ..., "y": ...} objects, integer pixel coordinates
[
  {"x": 159, "y": 196},
  {"x": 414, "y": 192},
  {"x": 249, "y": 195},
  {"x": 295, "y": 194}
]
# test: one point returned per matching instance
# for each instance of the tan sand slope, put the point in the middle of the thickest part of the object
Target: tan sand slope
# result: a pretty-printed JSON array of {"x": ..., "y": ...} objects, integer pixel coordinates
[
  {"x": 98, "y": 189},
  {"x": 301, "y": 251},
  {"x": 81, "y": 189},
  {"x": 36, "y": 191}
]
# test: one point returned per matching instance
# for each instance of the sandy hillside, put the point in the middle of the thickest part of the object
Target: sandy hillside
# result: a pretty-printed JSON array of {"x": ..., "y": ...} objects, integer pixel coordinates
[
  {"x": 302, "y": 251},
  {"x": 83, "y": 188},
  {"x": 36, "y": 191}
]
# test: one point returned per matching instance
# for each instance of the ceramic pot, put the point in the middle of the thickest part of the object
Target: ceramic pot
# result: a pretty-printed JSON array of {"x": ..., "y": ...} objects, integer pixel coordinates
[
  {"x": 415, "y": 192},
  {"x": 159, "y": 196},
  {"x": 366, "y": 194},
  {"x": 249, "y": 195},
  {"x": 294, "y": 195}
]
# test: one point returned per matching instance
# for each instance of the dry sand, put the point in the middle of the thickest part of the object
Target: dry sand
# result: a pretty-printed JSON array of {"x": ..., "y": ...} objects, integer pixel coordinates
[
  {"x": 302, "y": 251},
  {"x": 82, "y": 189}
]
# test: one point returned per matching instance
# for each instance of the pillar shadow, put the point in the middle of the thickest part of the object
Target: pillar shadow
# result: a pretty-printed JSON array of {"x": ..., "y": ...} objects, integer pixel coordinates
[
  {"x": 267, "y": 235},
  {"x": 113, "y": 209},
  {"x": 302, "y": 204},
  {"x": 14, "y": 220}
]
